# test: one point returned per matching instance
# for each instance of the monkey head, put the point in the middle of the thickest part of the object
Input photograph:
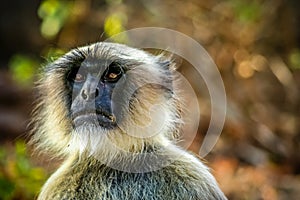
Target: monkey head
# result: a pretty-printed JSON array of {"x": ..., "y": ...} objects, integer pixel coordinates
[{"x": 104, "y": 98}]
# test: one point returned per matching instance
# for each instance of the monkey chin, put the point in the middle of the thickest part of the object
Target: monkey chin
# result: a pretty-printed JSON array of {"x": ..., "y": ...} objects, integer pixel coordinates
[{"x": 94, "y": 119}]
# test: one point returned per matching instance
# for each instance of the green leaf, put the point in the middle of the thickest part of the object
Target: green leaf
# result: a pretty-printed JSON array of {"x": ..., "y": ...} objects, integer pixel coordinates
[
  {"x": 247, "y": 11},
  {"x": 7, "y": 189},
  {"x": 294, "y": 59},
  {"x": 23, "y": 69},
  {"x": 113, "y": 25},
  {"x": 54, "y": 15}
]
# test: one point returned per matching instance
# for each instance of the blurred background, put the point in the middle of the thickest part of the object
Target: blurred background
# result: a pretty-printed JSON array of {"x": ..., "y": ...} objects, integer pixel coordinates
[{"x": 255, "y": 44}]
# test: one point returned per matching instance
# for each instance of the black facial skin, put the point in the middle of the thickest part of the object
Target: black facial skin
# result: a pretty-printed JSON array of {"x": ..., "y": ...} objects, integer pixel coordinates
[{"x": 92, "y": 88}]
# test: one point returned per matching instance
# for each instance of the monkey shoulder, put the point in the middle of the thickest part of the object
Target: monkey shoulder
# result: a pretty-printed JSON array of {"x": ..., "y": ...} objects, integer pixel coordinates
[{"x": 185, "y": 178}]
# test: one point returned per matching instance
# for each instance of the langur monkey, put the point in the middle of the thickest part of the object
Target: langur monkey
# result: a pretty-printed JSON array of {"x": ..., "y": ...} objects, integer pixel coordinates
[{"x": 111, "y": 111}]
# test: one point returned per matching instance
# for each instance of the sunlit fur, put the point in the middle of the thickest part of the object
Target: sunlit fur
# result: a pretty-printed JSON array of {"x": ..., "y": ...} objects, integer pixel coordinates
[{"x": 114, "y": 163}]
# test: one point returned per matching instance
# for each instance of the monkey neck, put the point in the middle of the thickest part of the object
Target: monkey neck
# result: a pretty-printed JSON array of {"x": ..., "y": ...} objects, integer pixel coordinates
[
  {"x": 122, "y": 151},
  {"x": 149, "y": 157}
]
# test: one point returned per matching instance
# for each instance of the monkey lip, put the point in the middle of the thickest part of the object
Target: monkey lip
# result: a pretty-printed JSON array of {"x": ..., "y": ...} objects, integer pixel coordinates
[{"x": 94, "y": 113}]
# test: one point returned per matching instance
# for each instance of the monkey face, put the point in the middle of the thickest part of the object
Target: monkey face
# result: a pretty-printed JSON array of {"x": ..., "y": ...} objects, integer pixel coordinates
[
  {"x": 110, "y": 88},
  {"x": 103, "y": 92},
  {"x": 92, "y": 90}
]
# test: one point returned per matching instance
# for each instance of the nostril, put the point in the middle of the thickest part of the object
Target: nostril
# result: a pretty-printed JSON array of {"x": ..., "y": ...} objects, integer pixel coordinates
[
  {"x": 89, "y": 95},
  {"x": 84, "y": 95},
  {"x": 96, "y": 92}
]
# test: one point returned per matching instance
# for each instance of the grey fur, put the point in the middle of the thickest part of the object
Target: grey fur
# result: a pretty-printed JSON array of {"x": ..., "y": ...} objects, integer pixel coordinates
[{"x": 96, "y": 170}]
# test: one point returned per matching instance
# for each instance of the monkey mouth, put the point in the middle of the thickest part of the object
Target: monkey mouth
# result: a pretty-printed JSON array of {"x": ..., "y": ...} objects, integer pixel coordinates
[
  {"x": 94, "y": 116},
  {"x": 107, "y": 115}
]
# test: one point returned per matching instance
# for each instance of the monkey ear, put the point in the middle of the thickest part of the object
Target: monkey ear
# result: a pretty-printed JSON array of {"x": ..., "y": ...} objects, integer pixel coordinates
[
  {"x": 168, "y": 62},
  {"x": 168, "y": 67}
]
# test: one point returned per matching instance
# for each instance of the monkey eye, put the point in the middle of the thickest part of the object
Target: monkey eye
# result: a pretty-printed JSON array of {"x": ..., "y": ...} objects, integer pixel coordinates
[
  {"x": 75, "y": 76},
  {"x": 113, "y": 73},
  {"x": 79, "y": 78}
]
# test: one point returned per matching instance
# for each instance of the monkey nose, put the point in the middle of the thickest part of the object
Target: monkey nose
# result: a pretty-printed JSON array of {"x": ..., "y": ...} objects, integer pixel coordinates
[{"x": 89, "y": 94}]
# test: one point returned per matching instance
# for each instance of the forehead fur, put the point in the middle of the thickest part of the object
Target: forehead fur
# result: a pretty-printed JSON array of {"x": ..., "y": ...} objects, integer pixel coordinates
[
  {"x": 104, "y": 52},
  {"x": 117, "y": 51}
]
